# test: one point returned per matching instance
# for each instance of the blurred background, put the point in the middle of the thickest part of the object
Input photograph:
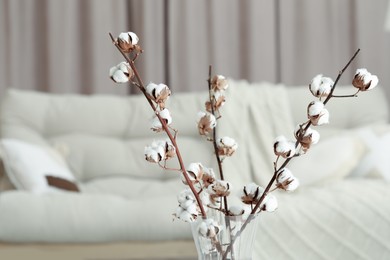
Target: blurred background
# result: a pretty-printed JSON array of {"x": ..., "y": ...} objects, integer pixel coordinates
[{"x": 63, "y": 46}]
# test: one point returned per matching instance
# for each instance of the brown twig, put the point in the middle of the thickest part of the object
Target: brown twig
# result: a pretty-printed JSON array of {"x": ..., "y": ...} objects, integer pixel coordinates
[
  {"x": 214, "y": 140},
  {"x": 346, "y": 96},
  {"x": 285, "y": 163},
  {"x": 302, "y": 133},
  {"x": 141, "y": 86}
]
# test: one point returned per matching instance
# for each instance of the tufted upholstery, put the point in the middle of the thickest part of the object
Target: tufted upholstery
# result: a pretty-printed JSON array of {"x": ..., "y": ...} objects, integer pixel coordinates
[
  {"x": 125, "y": 198},
  {"x": 99, "y": 135}
]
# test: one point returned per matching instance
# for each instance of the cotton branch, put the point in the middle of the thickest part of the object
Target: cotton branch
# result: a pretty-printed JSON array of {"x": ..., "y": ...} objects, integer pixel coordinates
[
  {"x": 299, "y": 139},
  {"x": 165, "y": 127},
  {"x": 214, "y": 139}
]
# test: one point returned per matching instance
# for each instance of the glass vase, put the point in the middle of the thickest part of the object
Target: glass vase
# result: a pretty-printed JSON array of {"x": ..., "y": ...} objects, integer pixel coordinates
[{"x": 232, "y": 241}]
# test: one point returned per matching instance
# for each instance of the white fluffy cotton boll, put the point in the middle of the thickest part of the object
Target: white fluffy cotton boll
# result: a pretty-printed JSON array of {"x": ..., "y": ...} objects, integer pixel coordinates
[
  {"x": 192, "y": 209},
  {"x": 311, "y": 135},
  {"x": 364, "y": 80},
  {"x": 160, "y": 88},
  {"x": 156, "y": 124},
  {"x": 323, "y": 118},
  {"x": 194, "y": 173},
  {"x": 321, "y": 86},
  {"x": 253, "y": 189},
  {"x": 184, "y": 215},
  {"x": 186, "y": 198},
  {"x": 218, "y": 189},
  {"x": 121, "y": 73},
  {"x": 242, "y": 210},
  {"x": 317, "y": 113},
  {"x": 237, "y": 210},
  {"x": 158, "y": 93},
  {"x": 219, "y": 82},
  {"x": 150, "y": 88},
  {"x": 293, "y": 185},
  {"x": 219, "y": 97},
  {"x": 314, "y": 134},
  {"x": 270, "y": 204},
  {"x": 284, "y": 147},
  {"x": 209, "y": 228},
  {"x": 166, "y": 115},
  {"x": 286, "y": 180},
  {"x": 315, "y": 108},
  {"x": 127, "y": 41},
  {"x": 226, "y": 146},
  {"x": 153, "y": 155},
  {"x": 306, "y": 138},
  {"x": 206, "y": 122},
  {"x": 251, "y": 193},
  {"x": 129, "y": 37}
]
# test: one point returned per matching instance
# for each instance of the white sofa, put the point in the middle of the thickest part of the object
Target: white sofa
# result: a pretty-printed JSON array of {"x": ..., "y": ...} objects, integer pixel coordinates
[{"x": 341, "y": 210}]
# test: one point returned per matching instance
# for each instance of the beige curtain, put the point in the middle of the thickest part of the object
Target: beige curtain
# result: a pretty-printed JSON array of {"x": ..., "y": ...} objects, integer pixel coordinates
[
  {"x": 59, "y": 46},
  {"x": 63, "y": 46}
]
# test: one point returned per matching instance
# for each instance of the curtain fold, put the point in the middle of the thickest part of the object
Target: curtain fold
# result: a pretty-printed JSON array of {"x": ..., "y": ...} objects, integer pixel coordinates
[
  {"x": 63, "y": 46},
  {"x": 60, "y": 46}
]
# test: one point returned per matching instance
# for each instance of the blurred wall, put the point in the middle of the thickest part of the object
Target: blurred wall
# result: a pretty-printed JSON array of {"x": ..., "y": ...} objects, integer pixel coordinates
[{"x": 63, "y": 46}]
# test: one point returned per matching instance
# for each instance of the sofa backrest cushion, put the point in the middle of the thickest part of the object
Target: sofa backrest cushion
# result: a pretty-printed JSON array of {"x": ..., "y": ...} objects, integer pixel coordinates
[
  {"x": 368, "y": 108},
  {"x": 103, "y": 135},
  {"x": 100, "y": 135}
]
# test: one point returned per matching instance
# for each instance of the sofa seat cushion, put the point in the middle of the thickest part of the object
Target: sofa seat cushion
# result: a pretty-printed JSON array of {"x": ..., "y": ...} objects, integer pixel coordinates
[
  {"x": 80, "y": 217},
  {"x": 132, "y": 188},
  {"x": 347, "y": 218}
]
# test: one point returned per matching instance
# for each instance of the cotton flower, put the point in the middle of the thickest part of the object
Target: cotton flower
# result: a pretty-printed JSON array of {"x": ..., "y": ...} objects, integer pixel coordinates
[
  {"x": 270, "y": 203},
  {"x": 364, "y": 80},
  {"x": 127, "y": 41},
  {"x": 321, "y": 86},
  {"x": 218, "y": 100},
  {"x": 307, "y": 139},
  {"x": 241, "y": 210},
  {"x": 159, "y": 93},
  {"x": 286, "y": 180},
  {"x": 217, "y": 190},
  {"x": 121, "y": 73},
  {"x": 208, "y": 177},
  {"x": 187, "y": 209},
  {"x": 165, "y": 115},
  {"x": 226, "y": 146},
  {"x": 209, "y": 228},
  {"x": 169, "y": 148},
  {"x": 219, "y": 82},
  {"x": 160, "y": 150},
  {"x": 186, "y": 199},
  {"x": 194, "y": 173},
  {"x": 154, "y": 153},
  {"x": 317, "y": 113},
  {"x": 185, "y": 215},
  {"x": 251, "y": 193},
  {"x": 284, "y": 147},
  {"x": 206, "y": 123},
  {"x": 237, "y": 210}
]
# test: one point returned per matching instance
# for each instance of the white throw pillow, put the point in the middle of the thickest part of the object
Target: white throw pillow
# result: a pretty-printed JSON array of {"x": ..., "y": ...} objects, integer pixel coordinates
[
  {"x": 331, "y": 159},
  {"x": 375, "y": 163},
  {"x": 35, "y": 168}
]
